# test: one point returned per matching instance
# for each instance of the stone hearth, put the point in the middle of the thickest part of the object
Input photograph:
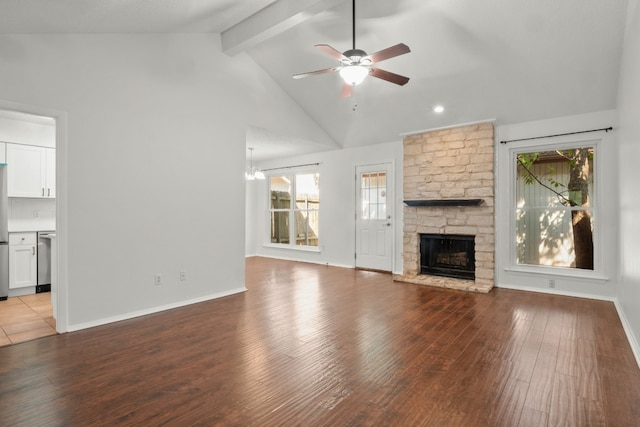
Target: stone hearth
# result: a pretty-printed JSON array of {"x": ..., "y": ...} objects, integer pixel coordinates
[{"x": 453, "y": 164}]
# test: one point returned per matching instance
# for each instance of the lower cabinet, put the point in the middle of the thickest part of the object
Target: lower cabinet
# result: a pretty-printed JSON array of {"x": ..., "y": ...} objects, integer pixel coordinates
[{"x": 23, "y": 260}]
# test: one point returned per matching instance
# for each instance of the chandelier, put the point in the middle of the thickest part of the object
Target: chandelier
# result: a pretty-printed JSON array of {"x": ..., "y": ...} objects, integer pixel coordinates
[{"x": 253, "y": 173}]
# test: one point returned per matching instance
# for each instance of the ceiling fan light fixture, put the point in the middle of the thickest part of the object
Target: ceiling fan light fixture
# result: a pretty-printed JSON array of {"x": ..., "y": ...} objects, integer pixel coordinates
[{"x": 354, "y": 74}]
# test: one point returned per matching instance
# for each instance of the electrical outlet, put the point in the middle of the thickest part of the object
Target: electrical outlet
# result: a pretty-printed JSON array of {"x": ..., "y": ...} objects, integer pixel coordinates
[
  {"x": 158, "y": 279},
  {"x": 183, "y": 276},
  {"x": 36, "y": 214},
  {"x": 552, "y": 283}
]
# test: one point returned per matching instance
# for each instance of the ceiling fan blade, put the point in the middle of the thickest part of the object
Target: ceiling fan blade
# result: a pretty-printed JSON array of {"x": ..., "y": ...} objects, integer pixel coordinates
[
  {"x": 346, "y": 91},
  {"x": 390, "y": 77},
  {"x": 390, "y": 52},
  {"x": 332, "y": 52},
  {"x": 315, "y": 73}
]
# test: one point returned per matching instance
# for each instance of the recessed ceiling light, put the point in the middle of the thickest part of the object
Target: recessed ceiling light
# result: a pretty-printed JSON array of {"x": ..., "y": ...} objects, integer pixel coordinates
[{"x": 438, "y": 109}]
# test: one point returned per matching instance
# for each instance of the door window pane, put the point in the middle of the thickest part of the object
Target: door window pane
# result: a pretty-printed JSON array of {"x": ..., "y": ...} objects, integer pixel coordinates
[
  {"x": 382, "y": 180},
  {"x": 373, "y": 195}
]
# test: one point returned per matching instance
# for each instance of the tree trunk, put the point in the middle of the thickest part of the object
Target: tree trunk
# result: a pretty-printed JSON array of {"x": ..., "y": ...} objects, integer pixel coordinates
[{"x": 581, "y": 220}]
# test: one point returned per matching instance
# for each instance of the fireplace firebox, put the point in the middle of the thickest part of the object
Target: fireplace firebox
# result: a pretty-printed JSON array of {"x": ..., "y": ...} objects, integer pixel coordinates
[{"x": 449, "y": 255}]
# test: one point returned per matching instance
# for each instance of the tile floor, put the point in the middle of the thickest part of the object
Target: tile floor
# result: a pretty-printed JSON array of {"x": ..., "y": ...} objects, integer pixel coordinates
[{"x": 26, "y": 318}]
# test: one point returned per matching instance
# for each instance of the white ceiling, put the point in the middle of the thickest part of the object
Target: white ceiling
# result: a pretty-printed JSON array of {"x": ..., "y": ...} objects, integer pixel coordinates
[
  {"x": 509, "y": 60},
  {"x": 124, "y": 16}
]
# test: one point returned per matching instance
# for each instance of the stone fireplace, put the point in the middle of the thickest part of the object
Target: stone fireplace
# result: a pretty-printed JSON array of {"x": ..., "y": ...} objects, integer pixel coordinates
[{"x": 449, "y": 213}]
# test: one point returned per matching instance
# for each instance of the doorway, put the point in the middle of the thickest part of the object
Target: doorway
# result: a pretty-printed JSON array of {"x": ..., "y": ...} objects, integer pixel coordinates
[
  {"x": 374, "y": 217},
  {"x": 58, "y": 245}
]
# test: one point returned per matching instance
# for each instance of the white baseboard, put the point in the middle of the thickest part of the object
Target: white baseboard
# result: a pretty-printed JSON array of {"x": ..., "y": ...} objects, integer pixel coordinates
[
  {"x": 633, "y": 342},
  {"x": 284, "y": 258},
  {"x": 339, "y": 265},
  {"x": 126, "y": 316},
  {"x": 556, "y": 292}
]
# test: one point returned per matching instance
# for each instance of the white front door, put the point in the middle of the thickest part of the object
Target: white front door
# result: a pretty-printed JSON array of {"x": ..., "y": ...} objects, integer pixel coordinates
[{"x": 374, "y": 209}]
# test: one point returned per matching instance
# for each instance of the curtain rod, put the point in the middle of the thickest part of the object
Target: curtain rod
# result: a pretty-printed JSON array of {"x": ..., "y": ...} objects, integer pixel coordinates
[
  {"x": 558, "y": 134},
  {"x": 290, "y": 167}
]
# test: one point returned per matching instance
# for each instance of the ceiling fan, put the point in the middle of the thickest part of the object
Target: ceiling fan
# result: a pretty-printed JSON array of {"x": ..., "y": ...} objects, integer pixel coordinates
[{"x": 356, "y": 65}]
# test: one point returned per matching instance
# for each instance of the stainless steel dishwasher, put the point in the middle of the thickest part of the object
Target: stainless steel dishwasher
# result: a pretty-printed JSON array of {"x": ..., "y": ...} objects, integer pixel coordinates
[{"x": 44, "y": 261}]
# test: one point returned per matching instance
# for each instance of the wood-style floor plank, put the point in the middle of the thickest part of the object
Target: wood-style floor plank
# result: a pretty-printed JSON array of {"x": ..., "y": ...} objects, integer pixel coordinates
[{"x": 321, "y": 346}]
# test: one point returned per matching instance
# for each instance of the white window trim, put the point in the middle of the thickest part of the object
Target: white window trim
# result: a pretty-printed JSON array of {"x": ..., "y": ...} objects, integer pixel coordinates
[
  {"x": 548, "y": 144},
  {"x": 287, "y": 246}
]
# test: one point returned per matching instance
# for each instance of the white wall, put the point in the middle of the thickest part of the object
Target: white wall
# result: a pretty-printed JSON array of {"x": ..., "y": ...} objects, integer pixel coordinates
[
  {"x": 153, "y": 163},
  {"x": 267, "y": 107},
  {"x": 22, "y": 214},
  {"x": 250, "y": 218},
  {"x": 629, "y": 176},
  {"x": 337, "y": 204},
  {"x": 602, "y": 285}
]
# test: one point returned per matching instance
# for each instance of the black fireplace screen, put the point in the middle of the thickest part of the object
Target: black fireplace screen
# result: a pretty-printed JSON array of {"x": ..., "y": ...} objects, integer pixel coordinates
[{"x": 450, "y": 255}]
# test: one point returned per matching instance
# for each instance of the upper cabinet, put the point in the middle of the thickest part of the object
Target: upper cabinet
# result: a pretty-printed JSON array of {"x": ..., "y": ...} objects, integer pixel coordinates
[
  {"x": 27, "y": 129},
  {"x": 31, "y": 171},
  {"x": 50, "y": 172},
  {"x": 27, "y": 146}
]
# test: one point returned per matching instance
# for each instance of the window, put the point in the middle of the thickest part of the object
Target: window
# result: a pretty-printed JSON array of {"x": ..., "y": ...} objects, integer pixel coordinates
[
  {"x": 373, "y": 194},
  {"x": 294, "y": 220},
  {"x": 554, "y": 207}
]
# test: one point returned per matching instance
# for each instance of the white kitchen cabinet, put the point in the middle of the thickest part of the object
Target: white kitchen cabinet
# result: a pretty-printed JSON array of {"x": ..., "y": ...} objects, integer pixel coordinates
[
  {"x": 28, "y": 171},
  {"x": 23, "y": 260},
  {"x": 3, "y": 152},
  {"x": 50, "y": 173}
]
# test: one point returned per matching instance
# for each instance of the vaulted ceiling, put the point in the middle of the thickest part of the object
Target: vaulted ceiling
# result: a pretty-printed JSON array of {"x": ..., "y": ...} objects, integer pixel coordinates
[{"x": 509, "y": 60}]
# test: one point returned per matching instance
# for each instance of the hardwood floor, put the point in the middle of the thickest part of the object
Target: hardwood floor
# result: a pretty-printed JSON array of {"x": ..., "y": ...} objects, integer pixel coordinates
[{"x": 314, "y": 345}]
